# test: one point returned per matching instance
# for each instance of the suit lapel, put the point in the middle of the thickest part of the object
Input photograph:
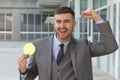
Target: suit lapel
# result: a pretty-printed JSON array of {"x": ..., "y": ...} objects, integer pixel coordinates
[
  {"x": 49, "y": 47},
  {"x": 72, "y": 54}
]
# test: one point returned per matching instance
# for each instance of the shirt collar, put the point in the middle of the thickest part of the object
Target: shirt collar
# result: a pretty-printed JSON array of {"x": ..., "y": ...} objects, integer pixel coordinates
[{"x": 57, "y": 42}]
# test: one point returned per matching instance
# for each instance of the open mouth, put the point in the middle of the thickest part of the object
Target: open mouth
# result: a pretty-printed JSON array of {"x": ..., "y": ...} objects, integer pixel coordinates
[{"x": 63, "y": 30}]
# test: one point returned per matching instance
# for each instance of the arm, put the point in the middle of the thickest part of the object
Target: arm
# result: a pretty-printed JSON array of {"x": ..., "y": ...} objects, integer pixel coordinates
[
  {"x": 108, "y": 43},
  {"x": 27, "y": 72},
  {"x": 32, "y": 70}
]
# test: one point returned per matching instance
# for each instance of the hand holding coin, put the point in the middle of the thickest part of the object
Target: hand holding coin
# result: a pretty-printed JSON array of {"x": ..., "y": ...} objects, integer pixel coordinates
[{"x": 29, "y": 49}]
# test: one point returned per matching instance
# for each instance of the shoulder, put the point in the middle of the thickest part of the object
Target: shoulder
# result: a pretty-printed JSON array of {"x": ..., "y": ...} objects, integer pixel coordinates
[
  {"x": 82, "y": 41},
  {"x": 42, "y": 41}
]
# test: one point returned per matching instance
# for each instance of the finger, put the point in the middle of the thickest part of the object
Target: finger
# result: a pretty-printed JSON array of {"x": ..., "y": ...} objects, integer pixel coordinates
[
  {"x": 86, "y": 14},
  {"x": 22, "y": 67},
  {"x": 26, "y": 56},
  {"x": 23, "y": 63},
  {"x": 22, "y": 58}
]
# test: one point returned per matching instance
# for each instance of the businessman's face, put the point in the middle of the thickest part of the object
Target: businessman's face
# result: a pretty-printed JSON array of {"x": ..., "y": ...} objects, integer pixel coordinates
[{"x": 64, "y": 25}]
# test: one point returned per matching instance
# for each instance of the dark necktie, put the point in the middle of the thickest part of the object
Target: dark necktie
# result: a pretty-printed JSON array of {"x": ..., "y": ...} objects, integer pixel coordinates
[{"x": 60, "y": 54}]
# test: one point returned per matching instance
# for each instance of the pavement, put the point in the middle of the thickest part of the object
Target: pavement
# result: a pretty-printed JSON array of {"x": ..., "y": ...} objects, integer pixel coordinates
[{"x": 9, "y": 53}]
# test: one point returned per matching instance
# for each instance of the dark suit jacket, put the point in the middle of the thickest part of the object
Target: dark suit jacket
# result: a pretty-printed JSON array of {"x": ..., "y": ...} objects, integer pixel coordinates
[{"x": 81, "y": 52}]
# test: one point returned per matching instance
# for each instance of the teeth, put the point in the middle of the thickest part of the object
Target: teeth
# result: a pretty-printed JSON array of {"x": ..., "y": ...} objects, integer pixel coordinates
[{"x": 63, "y": 30}]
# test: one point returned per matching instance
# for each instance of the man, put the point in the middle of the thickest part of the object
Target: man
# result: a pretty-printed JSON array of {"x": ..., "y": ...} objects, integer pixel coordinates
[{"x": 74, "y": 61}]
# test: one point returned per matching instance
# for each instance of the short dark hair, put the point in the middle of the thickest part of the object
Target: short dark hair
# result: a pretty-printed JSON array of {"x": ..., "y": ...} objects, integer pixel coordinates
[{"x": 63, "y": 10}]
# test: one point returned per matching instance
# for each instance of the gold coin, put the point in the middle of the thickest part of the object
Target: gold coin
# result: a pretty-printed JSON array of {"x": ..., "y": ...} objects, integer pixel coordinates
[{"x": 29, "y": 48}]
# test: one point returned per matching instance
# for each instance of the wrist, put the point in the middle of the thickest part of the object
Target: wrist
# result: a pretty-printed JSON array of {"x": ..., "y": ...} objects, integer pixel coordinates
[
  {"x": 100, "y": 22},
  {"x": 23, "y": 73},
  {"x": 97, "y": 18}
]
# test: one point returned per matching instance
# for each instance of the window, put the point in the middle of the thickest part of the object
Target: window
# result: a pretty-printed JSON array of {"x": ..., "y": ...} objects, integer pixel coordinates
[
  {"x": 114, "y": 18},
  {"x": 24, "y": 22},
  {"x": 6, "y": 26},
  {"x": 99, "y": 3},
  {"x": 35, "y": 26},
  {"x": 31, "y": 22},
  {"x": 83, "y": 21},
  {"x": 37, "y": 22},
  {"x": 2, "y": 19},
  {"x": 83, "y": 5},
  {"x": 72, "y": 4}
]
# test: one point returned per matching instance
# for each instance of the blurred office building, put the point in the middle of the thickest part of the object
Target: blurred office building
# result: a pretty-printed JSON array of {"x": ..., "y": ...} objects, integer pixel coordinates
[{"x": 27, "y": 20}]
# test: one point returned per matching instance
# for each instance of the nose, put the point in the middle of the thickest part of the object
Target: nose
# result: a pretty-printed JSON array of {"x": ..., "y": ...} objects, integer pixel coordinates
[{"x": 62, "y": 24}]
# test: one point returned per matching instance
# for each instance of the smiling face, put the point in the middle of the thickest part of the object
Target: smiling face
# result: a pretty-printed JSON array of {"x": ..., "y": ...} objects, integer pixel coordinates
[{"x": 64, "y": 25}]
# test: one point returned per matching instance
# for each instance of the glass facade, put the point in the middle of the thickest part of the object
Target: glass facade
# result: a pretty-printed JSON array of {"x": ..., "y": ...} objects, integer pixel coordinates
[
  {"x": 72, "y": 4},
  {"x": 83, "y": 5},
  {"x": 6, "y": 26},
  {"x": 35, "y": 26},
  {"x": 2, "y": 26},
  {"x": 99, "y": 3},
  {"x": 83, "y": 22},
  {"x": 114, "y": 18}
]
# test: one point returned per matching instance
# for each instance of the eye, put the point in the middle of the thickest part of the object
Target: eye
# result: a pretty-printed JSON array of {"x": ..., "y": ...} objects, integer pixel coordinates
[
  {"x": 67, "y": 21},
  {"x": 58, "y": 21}
]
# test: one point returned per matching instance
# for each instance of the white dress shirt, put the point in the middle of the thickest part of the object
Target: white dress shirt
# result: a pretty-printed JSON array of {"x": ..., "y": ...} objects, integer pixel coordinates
[{"x": 56, "y": 46}]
